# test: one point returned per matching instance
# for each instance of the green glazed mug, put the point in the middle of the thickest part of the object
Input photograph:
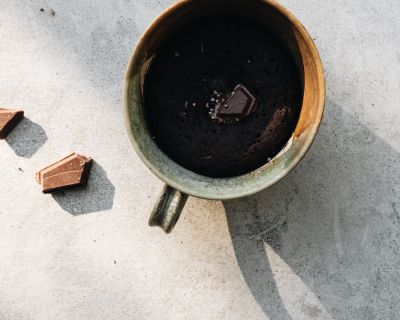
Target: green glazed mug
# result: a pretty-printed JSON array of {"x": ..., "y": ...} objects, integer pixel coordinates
[{"x": 180, "y": 182}]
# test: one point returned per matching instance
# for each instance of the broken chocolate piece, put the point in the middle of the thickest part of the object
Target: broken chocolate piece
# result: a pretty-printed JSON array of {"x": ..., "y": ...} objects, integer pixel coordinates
[
  {"x": 69, "y": 172},
  {"x": 236, "y": 106},
  {"x": 9, "y": 120}
]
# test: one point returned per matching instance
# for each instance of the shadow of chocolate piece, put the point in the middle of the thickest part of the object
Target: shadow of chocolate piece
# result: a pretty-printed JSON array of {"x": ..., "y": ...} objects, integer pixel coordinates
[
  {"x": 97, "y": 196},
  {"x": 27, "y": 138}
]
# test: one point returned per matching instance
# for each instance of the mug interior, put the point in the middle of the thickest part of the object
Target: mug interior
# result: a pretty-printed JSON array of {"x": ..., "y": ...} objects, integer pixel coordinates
[{"x": 276, "y": 20}]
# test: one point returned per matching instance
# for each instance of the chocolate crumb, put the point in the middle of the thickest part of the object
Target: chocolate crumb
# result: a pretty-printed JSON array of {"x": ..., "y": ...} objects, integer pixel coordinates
[{"x": 41, "y": 9}]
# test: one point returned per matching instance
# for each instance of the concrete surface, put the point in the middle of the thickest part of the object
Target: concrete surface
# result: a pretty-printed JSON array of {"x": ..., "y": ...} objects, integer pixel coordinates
[{"x": 322, "y": 244}]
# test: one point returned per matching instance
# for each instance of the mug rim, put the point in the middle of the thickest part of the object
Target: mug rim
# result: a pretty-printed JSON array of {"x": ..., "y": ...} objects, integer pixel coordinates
[{"x": 232, "y": 187}]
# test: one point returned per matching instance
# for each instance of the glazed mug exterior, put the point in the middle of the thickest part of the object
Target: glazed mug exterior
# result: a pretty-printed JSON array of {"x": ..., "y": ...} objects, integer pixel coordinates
[{"x": 180, "y": 182}]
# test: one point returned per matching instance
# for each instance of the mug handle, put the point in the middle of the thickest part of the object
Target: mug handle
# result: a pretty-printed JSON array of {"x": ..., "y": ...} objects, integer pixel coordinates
[{"x": 168, "y": 208}]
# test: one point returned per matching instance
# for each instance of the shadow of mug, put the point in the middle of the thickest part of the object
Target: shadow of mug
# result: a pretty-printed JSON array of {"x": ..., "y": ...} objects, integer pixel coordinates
[{"x": 323, "y": 242}]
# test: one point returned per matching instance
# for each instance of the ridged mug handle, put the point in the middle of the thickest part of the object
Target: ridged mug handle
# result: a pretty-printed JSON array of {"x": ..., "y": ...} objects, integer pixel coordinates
[{"x": 168, "y": 209}]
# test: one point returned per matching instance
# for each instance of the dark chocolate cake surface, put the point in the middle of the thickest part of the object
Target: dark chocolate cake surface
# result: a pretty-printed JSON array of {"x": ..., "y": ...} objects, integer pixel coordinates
[{"x": 211, "y": 57}]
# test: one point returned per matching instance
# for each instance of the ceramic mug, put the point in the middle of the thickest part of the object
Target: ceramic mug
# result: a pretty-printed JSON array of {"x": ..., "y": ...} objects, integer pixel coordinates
[{"x": 180, "y": 182}]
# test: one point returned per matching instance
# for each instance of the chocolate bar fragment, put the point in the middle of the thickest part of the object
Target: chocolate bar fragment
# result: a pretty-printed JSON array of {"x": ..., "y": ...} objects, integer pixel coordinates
[
  {"x": 9, "y": 120},
  {"x": 72, "y": 171},
  {"x": 236, "y": 106}
]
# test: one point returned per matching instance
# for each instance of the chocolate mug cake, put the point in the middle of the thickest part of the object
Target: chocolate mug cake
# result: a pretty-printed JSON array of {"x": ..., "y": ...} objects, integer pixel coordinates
[{"x": 200, "y": 68}]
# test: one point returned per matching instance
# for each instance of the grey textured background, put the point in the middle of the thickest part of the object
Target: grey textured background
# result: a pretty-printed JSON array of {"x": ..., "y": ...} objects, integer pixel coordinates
[{"x": 322, "y": 244}]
